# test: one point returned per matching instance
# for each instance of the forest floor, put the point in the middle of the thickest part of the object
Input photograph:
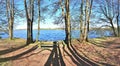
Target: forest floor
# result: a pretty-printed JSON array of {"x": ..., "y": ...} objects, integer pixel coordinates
[{"x": 97, "y": 52}]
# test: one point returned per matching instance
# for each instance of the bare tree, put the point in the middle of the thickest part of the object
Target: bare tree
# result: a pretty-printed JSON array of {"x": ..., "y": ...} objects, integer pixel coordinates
[
  {"x": 66, "y": 15},
  {"x": 81, "y": 20},
  {"x": 117, "y": 18},
  {"x": 29, "y": 16},
  {"x": 84, "y": 19},
  {"x": 90, "y": 10},
  {"x": 67, "y": 23},
  {"x": 3, "y": 21},
  {"x": 108, "y": 10},
  {"x": 10, "y": 16},
  {"x": 38, "y": 20}
]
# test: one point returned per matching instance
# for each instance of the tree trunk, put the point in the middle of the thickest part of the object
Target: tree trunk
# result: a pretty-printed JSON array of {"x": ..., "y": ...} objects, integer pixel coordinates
[
  {"x": 38, "y": 21},
  {"x": 29, "y": 17},
  {"x": 91, "y": 3},
  {"x": 117, "y": 18},
  {"x": 66, "y": 18},
  {"x": 28, "y": 32},
  {"x": 113, "y": 28},
  {"x": 86, "y": 21},
  {"x": 67, "y": 23},
  {"x": 81, "y": 21},
  {"x": 118, "y": 28},
  {"x": 88, "y": 24},
  {"x": 10, "y": 16},
  {"x": 11, "y": 29}
]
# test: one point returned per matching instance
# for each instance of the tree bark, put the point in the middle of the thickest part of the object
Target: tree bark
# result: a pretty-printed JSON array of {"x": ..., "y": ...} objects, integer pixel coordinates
[
  {"x": 38, "y": 21},
  {"x": 29, "y": 17},
  {"x": 86, "y": 21},
  {"x": 91, "y": 3},
  {"x": 117, "y": 18},
  {"x": 81, "y": 21},
  {"x": 88, "y": 24},
  {"x": 113, "y": 28},
  {"x": 68, "y": 24},
  {"x": 10, "y": 17}
]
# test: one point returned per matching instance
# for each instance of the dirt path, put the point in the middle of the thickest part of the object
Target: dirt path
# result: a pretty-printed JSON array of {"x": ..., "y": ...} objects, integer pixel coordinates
[{"x": 75, "y": 55}]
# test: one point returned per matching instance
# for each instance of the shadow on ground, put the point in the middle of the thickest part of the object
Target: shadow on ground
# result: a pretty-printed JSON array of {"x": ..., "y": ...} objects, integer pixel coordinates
[
  {"x": 2, "y": 52},
  {"x": 107, "y": 43},
  {"x": 17, "y": 56},
  {"x": 55, "y": 58},
  {"x": 78, "y": 59}
]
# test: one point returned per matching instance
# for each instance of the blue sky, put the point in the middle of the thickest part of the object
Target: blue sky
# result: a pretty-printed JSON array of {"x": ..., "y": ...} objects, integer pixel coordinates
[
  {"x": 48, "y": 23},
  {"x": 22, "y": 24}
]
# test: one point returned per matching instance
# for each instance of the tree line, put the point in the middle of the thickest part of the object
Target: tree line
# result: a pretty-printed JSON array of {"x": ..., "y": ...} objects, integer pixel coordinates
[{"x": 82, "y": 12}]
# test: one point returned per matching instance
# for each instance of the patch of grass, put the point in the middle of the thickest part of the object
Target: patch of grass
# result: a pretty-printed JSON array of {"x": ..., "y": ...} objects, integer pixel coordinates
[
  {"x": 7, "y": 63},
  {"x": 48, "y": 42},
  {"x": 14, "y": 41},
  {"x": 98, "y": 41}
]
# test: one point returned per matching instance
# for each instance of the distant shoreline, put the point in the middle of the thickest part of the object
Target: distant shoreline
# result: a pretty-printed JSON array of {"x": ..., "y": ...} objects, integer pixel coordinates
[
  {"x": 44, "y": 29},
  {"x": 64, "y": 29}
]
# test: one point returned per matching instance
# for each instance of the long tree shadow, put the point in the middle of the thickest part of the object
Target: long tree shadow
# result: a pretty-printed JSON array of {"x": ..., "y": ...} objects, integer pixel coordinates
[
  {"x": 82, "y": 61},
  {"x": 98, "y": 44},
  {"x": 55, "y": 58},
  {"x": 105, "y": 44},
  {"x": 113, "y": 42},
  {"x": 12, "y": 49},
  {"x": 72, "y": 58},
  {"x": 19, "y": 55}
]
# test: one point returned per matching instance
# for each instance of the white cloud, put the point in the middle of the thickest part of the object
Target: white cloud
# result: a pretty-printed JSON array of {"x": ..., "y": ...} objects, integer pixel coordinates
[{"x": 42, "y": 25}]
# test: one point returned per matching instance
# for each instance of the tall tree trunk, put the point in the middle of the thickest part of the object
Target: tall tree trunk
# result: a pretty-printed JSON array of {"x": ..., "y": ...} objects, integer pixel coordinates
[
  {"x": 10, "y": 16},
  {"x": 29, "y": 17},
  {"x": 88, "y": 24},
  {"x": 68, "y": 24},
  {"x": 118, "y": 28},
  {"x": 91, "y": 3},
  {"x": 28, "y": 32},
  {"x": 32, "y": 19},
  {"x": 81, "y": 21},
  {"x": 11, "y": 29},
  {"x": 113, "y": 28},
  {"x": 86, "y": 21},
  {"x": 12, "y": 19},
  {"x": 38, "y": 21}
]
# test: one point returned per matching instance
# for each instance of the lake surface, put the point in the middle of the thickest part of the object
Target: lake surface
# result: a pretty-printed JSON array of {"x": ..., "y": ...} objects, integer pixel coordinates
[{"x": 55, "y": 35}]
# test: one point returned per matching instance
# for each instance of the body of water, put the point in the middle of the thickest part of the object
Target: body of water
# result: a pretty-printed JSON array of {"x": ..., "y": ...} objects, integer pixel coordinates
[{"x": 54, "y": 35}]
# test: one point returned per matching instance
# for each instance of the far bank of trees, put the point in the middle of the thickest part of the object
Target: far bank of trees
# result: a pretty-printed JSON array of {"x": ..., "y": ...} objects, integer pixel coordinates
[{"x": 67, "y": 12}]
